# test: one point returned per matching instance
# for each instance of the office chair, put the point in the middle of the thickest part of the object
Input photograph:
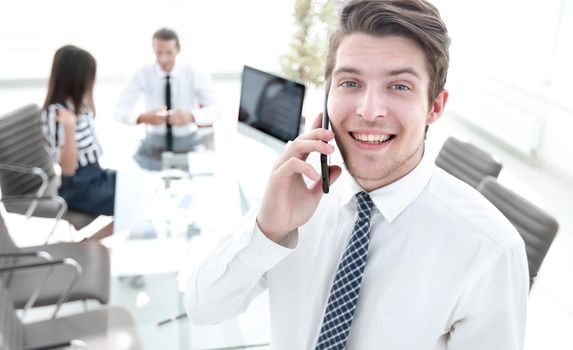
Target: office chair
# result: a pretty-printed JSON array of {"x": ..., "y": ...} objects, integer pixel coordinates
[
  {"x": 536, "y": 227},
  {"x": 28, "y": 181},
  {"x": 92, "y": 257},
  {"x": 467, "y": 162},
  {"x": 107, "y": 328}
]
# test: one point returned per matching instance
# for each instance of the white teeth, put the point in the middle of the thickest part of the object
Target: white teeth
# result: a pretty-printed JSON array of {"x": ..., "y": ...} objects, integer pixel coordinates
[{"x": 371, "y": 137}]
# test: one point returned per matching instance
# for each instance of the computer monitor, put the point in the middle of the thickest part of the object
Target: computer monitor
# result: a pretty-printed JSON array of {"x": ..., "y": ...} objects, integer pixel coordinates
[{"x": 270, "y": 108}]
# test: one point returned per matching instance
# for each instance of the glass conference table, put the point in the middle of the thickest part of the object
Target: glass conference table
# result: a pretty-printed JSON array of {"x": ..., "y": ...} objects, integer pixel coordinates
[{"x": 164, "y": 223}]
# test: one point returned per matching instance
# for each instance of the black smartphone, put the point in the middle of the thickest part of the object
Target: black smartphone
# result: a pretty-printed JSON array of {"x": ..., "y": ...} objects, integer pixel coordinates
[{"x": 324, "y": 157}]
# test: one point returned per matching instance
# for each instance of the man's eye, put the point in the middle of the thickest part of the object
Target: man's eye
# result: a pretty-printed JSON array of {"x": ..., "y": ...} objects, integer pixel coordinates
[
  {"x": 400, "y": 87},
  {"x": 349, "y": 84}
]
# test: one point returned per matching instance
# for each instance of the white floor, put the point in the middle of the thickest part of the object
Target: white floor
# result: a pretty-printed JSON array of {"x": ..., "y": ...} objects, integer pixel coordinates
[{"x": 550, "y": 318}]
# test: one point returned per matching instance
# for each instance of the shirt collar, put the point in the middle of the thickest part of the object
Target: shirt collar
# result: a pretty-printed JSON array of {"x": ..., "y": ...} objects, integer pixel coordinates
[
  {"x": 393, "y": 198},
  {"x": 162, "y": 74}
]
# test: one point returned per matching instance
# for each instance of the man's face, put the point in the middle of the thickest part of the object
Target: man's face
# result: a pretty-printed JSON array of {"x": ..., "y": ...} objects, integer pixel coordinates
[
  {"x": 378, "y": 106},
  {"x": 165, "y": 51}
]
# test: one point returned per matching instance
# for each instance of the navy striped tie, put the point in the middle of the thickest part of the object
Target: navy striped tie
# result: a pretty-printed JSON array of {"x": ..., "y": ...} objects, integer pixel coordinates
[{"x": 346, "y": 286}]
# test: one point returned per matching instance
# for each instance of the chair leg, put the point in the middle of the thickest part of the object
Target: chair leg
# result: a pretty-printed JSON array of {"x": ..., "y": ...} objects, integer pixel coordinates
[
  {"x": 70, "y": 232},
  {"x": 59, "y": 215}
]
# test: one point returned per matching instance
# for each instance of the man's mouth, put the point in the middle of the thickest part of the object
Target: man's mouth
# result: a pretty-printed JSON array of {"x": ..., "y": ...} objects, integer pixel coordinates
[{"x": 372, "y": 138}]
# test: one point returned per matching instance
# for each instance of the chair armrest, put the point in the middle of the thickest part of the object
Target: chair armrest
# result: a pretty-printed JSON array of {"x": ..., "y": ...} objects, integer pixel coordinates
[
  {"x": 67, "y": 261},
  {"x": 29, "y": 170},
  {"x": 34, "y": 201},
  {"x": 30, "y": 254},
  {"x": 32, "y": 171},
  {"x": 76, "y": 343},
  {"x": 36, "y": 254}
]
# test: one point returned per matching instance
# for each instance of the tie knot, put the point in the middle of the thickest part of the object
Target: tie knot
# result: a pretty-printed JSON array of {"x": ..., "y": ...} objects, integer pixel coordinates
[
  {"x": 167, "y": 77},
  {"x": 364, "y": 204}
]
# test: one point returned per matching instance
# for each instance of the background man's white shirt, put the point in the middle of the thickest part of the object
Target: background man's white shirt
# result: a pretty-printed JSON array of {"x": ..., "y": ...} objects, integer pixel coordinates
[{"x": 192, "y": 90}]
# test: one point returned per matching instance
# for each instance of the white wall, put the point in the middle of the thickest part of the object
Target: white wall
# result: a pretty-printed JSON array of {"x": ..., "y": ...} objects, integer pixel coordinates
[
  {"x": 219, "y": 35},
  {"x": 511, "y": 74}
]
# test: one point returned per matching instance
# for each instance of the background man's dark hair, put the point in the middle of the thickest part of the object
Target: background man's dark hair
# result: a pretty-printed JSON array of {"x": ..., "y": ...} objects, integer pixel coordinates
[
  {"x": 166, "y": 34},
  {"x": 414, "y": 19}
]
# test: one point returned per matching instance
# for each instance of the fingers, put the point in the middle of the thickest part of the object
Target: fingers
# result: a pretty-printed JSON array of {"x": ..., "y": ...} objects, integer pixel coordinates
[
  {"x": 176, "y": 120},
  {"x": 317, "y": 134},
  {"x": 178, "y": 117},
  {"x": 312, "y": 141},
  {"x": 300, "y": 149},
  {"x": 334, "y": 174},
  {"x": 156, "y": 119},
  {"x": 297, "y": 166}
]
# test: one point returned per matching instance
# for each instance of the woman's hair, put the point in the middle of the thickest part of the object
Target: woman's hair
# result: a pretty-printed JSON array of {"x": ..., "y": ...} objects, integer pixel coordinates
[{"x": 72, "y": 78}]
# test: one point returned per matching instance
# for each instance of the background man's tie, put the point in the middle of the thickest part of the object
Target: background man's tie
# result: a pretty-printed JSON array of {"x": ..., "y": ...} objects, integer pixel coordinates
[
  {"x": 169, "y": 132},
  {"x": 346, "y": 286}
]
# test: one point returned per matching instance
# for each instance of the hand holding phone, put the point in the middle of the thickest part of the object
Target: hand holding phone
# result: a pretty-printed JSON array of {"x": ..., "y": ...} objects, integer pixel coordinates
[
  {"x": 323, "y": 157},
  {"x": 289, "y": 201}
]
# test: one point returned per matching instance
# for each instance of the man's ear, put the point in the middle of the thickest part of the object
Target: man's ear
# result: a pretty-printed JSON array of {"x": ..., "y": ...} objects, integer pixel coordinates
[{"x": 437, "y": 107}]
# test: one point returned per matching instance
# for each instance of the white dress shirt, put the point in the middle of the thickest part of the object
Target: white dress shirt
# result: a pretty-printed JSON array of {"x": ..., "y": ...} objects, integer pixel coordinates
[
  {"x": 445, "y": 270},
  {"x": 192, "y": 90}
]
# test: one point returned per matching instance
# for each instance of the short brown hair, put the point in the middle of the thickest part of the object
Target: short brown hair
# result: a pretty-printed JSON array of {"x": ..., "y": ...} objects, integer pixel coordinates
[
  {"x": 166, "y": 34},
  {"x": 414, "y": 19}
]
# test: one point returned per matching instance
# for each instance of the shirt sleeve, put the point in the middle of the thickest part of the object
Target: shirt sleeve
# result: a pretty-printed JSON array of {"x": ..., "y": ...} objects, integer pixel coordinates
[
  {"x": 224, "y": 284},
  {"x": 492, "y": 313},
  {"x": 209, "y": 110},
  {"x": 128, "y": 98},
  {"x": 53, "y": 131}
]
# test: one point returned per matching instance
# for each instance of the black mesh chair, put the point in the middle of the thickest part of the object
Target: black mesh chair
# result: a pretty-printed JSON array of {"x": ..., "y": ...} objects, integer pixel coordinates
[
  {"x": 467, "y": 162},
  {"x": 28, "y": 182},
  {"x": 536, "y": 227}
]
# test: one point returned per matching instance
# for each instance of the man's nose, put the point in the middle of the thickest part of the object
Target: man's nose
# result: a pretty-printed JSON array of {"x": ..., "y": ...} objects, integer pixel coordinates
[{"x": 372, "y": 104}]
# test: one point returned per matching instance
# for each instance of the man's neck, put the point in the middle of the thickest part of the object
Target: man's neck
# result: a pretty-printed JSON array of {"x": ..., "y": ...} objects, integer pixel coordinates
[{"x": 371, "y": 185}]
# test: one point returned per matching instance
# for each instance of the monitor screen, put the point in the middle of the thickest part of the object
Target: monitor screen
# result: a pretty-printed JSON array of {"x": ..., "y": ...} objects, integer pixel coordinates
[{"x": 271, "y": 105}]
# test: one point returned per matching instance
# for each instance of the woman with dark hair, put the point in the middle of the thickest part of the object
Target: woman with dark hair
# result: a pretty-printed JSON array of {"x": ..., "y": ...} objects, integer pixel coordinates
[{"x": 68, "y": 126}]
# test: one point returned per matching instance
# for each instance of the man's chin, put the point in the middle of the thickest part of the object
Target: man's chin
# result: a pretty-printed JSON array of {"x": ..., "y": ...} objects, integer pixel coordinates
[{"x": 367, "y": 175}]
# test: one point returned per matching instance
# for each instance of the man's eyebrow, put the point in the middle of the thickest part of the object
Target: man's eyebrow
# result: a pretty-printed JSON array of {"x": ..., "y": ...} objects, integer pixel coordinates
[
  {"x": 346, "y": 69},
  {"x": 406, "y": 70},
  {"x": 390, "y": 73}
]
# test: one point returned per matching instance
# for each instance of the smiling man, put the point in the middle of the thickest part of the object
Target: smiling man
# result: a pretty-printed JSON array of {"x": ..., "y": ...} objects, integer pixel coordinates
[{"x": 400, "y": 255}]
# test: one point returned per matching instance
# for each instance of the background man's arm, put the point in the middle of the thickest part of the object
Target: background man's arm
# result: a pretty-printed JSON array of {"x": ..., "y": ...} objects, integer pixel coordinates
[{"x": 127, "y": 99}]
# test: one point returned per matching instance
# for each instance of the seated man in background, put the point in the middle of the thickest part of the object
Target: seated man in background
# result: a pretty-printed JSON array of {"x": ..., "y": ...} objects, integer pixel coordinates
[{"x": 178, "y": 98}]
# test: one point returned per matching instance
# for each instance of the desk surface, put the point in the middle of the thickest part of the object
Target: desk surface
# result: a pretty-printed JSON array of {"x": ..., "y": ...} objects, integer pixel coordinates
[{"x": 153, "y": 239}]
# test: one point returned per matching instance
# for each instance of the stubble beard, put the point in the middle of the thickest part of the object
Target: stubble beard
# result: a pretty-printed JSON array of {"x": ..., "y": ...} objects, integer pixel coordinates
[{"x": 385, "y": 174}]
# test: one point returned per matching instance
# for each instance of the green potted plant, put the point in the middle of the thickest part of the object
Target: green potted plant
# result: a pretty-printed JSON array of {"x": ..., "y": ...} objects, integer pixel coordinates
[{"x": 314, "y": 20}]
